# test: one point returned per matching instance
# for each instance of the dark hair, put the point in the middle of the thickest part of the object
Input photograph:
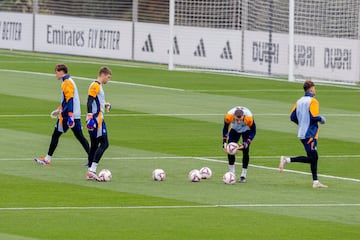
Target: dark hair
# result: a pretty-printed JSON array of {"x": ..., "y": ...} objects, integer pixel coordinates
[
  {"x": 239, "y": 113},
  {"x": 105, "y": 70},
  {"x": 308, "y": 84},
  {"x": 61, "y": 67}
]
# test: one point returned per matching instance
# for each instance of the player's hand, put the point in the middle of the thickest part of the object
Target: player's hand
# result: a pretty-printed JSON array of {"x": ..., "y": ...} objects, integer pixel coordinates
[
  {"x": 90, "y": 123},
  {"x": 245, "y": 144},
  {"x": 70, "y": 120},
  {"x": 224, "y": 145},
  {"x": 322, "y": 120},
  {"x": 55, "y": 113},
  {"x": 107, "y": 107}
]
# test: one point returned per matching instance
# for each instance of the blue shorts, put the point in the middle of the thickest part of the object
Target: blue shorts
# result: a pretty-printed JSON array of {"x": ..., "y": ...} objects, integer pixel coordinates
[
  {"x": 234, "y": 136},
  {"x": 310, "y": 144}
]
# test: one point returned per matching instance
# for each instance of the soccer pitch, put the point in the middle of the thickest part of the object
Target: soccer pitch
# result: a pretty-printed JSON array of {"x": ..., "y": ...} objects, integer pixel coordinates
[{"x": 172, "y": 120}]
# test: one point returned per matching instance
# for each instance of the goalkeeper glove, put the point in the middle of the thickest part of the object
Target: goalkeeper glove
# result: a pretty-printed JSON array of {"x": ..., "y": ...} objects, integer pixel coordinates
[
  {"x": 70, "y": 120},
  {"x": 247, "y": 143},
  {"x": 55, "y": 113},
  {"x": 90, "y": 123},
  {"x": 107, "y": 107},
  {"x": 224, "y": 144},
  {"x": 322, "y": 120}
]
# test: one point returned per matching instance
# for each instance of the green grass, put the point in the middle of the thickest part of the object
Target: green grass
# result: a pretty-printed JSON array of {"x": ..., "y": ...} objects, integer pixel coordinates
[{"x": 171, "y": 120}]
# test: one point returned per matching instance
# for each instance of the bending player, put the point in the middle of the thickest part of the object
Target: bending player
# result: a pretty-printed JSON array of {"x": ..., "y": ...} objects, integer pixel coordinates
[{"x": 239, "y": 122}]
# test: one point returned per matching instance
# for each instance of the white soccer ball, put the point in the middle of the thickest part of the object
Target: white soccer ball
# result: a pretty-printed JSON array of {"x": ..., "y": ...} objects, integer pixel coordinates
[
  {"x": 105, "y": 175},
  {"x": 232, "y": 148},
  {"x": 158, "y": 175},
  {"x": 229, "y": 178},
  {"x": 194, "y": 175},
  {"x": 205, "y": 172}
]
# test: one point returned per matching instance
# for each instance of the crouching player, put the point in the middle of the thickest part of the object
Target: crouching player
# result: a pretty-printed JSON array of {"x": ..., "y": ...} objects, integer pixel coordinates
[{"x": 239, "y": 122}]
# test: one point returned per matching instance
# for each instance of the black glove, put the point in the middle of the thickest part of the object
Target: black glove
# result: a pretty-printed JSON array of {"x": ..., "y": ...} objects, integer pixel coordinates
[{"x": 224, "y": 144}]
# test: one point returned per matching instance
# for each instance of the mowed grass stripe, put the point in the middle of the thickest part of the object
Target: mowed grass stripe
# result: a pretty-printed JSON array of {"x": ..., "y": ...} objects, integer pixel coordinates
[
  {"x": 252, "y": 205},
  {"x": 161, "y": 101},
  {"x": 207, "y": 159}
]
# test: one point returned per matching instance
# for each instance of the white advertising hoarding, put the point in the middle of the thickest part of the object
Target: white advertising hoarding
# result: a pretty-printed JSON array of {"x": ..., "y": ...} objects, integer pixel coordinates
[
  {"x": 327, "y": 58},
  {"x": 192, "y": 46},
  {"x": 207, "y": 47},
  {"x": 314, "y": 57},
  {"x": 151, "y": 43},
  {"x": 82, "y": 36},
  {"x": 16, "y": 31},
  {"x": 264, "y": 56}
]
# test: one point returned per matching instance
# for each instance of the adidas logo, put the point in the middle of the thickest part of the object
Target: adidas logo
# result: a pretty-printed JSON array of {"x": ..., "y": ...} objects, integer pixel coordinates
[
  {"x": 200, "y": 49},
  {"x": 148, "y": 46},
  {"x": 226, "y": 53},
  {"x": 176, "y": 46},
  {"x": 176, "y": 49}
]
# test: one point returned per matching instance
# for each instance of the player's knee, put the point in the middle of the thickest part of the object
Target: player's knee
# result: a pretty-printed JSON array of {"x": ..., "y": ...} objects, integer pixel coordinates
[{"x": 104, "y": 145}]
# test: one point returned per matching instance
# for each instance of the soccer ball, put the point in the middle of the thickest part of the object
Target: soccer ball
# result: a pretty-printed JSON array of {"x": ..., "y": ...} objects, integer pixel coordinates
[
  {"x": 229, "y": 178},
  {"x": 105, "y": 175},
  {"x": 205, "y": 173},
  {"x": 194, "y": 175},
  {"x": 158, "y": 175},
  {"x": 232, "y": 148}
]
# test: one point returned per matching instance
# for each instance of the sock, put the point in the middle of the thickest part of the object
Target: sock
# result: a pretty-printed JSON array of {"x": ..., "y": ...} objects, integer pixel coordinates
[
  {"x": 243, "y": 172},
  {"x": 232, "y": 168},
  {"x": 93, "y": 167},
  {"x": 316, "y": 181},
  {"x": 288, "y": 160},
  {"x": 48, "y": 158}
]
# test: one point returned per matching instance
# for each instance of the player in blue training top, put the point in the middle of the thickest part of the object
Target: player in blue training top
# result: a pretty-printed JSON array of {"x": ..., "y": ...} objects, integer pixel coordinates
[
  {"x": 305, "y": 113},
  {"x": 68, "y": 114},
  {"x": 96, "y": 126},
  {"x": 239, "y": 122}
]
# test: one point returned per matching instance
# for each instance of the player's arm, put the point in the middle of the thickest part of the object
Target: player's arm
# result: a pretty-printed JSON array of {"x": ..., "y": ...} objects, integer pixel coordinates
[
  {"x": 227, "y": 121},
  {"x": 314, "y": 112},
  {"x": 94, "y": 89},
  {"x": 293, "y": 116},
  {"x": 68, "y": 89}
]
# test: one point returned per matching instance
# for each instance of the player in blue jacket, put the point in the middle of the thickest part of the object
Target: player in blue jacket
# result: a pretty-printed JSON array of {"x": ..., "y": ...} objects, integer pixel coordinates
[{"x": 305, "y": 113}]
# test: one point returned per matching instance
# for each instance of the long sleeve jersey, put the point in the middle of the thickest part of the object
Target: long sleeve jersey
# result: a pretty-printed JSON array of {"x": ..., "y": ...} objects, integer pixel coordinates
[
  {"x": 247, "y": 125},
  {"x": 305, "y": 113},
  {"x": 70, "y": 101}
]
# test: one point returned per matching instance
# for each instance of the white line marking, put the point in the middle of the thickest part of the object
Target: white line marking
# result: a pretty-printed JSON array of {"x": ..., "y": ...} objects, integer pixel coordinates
[
  {"x": 178, "y": 115},
  {"x": 352, "y": 90},
  {"x": 245, "y": 205},
  {"x": 164, "y": 68},
  {"x": 106, "y": 62},
  {"x": 285, "y": 170},
  {"x": 92, "y": 79},
  {"x": 213, "y": 159}
]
